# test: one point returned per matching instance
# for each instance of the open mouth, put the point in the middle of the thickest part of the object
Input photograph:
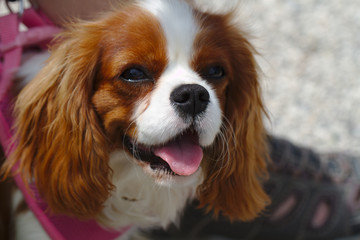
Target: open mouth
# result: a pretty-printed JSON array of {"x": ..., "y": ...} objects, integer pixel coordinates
[{"x": 180, "y": 156}]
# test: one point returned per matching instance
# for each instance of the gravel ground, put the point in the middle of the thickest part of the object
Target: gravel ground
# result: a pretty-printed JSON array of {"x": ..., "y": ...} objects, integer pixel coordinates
[{"x": 311, "y": 63}]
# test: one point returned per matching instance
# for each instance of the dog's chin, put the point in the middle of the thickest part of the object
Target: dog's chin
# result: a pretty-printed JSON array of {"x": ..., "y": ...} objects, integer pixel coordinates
[
  {"x": 174, "y": 181},
  {"x": 161, "y": 161}
]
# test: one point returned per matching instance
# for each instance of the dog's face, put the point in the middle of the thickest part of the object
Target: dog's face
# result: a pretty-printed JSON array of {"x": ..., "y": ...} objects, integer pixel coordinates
[
  {"x": 174, "y": 88},
  {"x": 158, "y": 89}
]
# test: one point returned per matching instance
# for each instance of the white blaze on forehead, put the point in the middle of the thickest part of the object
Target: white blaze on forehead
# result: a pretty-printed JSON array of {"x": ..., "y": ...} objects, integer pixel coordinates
[{"x": 179, "y": 25}]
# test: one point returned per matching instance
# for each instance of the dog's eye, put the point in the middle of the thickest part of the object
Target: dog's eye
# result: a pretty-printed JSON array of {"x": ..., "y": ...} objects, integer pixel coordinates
[
  {"x": 214, "y": 72},
  {"x": 134, "y": 75}
]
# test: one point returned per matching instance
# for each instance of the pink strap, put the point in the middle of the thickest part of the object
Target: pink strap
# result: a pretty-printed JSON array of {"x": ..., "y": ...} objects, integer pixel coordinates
[
  {"x": 41, "y": 30},
  {"x": 35, "y": 18},
  {"x": 10, "y": 49},
  {"x": 11, "y": 59},
  {"x": 32, "y": 36}
]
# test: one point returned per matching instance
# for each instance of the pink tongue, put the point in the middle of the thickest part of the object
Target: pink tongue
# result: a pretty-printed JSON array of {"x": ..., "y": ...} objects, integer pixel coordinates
[{"x": 183, "y": 155}]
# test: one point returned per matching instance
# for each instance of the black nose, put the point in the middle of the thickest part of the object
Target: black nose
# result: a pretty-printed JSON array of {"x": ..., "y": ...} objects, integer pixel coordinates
[{"x": 190, "y": 99}]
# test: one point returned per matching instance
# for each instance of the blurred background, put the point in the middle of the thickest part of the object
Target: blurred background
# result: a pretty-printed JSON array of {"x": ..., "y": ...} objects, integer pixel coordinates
[
  {"x": 310, "y": 61},
  {"x": 310, "y": 58}
]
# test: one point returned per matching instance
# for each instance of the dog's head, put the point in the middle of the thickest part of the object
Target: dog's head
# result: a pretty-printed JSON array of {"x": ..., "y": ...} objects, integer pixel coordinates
[{"x": 175, "y": 88}]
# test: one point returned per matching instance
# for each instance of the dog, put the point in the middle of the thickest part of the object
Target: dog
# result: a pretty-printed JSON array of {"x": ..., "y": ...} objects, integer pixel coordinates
[{"x": 141, "y": 111}]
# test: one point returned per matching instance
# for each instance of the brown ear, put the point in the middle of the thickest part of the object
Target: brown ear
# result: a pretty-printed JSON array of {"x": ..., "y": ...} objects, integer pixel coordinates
[
  {"x": 232, "y": 184},
  {"x": 60, "y": 142}
]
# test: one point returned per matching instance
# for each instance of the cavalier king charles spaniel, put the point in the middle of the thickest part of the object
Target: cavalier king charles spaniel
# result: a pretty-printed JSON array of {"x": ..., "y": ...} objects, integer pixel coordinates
[{"x": 137, "y": 113}]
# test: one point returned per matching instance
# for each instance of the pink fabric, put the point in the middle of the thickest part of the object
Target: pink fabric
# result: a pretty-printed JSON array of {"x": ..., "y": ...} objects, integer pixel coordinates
[
  {"x": 32, "y": 36},
  {"x": 35, "y": 18},
  {"x": 40, "y": 31},
  {"x": 11, "y": 59}
]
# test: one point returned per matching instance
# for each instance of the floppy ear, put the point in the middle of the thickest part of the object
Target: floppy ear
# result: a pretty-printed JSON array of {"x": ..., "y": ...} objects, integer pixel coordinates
[
  {"x": 60, "y": 142},
  {"x": 232, "y": 184}
]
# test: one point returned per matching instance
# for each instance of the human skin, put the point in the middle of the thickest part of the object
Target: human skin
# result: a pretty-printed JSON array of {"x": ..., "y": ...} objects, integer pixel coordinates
[{"x": 62, "y": 11}]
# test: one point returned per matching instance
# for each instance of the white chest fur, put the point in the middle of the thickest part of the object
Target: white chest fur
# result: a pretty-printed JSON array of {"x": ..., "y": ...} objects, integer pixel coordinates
[{"x": 141, "y": 200}]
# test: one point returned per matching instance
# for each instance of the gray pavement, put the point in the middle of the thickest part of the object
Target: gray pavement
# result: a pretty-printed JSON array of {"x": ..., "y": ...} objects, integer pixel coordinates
[{"x": 311, "y": 69}]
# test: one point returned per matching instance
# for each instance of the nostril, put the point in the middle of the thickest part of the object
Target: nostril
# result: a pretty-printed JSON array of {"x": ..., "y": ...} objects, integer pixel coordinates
[
  {"x": 182, "y": 97},
  {"x": 190, "y": 99}
]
